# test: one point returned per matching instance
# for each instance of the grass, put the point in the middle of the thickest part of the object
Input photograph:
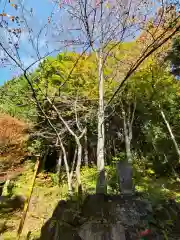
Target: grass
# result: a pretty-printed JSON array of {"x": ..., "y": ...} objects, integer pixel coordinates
[
  {"x": 47, "y": 193},
  {"x": 44, "y": 199},
  {"x": 159, "y": 189}
]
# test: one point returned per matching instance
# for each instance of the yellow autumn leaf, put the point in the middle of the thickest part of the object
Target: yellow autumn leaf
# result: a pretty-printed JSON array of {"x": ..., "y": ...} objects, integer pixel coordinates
[{"x": 107, "y": 5}]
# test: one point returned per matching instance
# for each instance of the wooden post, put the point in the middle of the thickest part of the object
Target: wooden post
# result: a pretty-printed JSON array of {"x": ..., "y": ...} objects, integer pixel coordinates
[{"x": 26, "y": 206}]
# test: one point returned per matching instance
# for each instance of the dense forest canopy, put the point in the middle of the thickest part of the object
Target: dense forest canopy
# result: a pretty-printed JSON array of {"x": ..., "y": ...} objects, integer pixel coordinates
[{"x": 151, "y": 89}]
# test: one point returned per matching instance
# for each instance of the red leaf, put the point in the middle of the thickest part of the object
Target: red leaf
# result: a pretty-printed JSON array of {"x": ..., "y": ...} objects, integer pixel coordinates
[{"x": 145, "y": 233}]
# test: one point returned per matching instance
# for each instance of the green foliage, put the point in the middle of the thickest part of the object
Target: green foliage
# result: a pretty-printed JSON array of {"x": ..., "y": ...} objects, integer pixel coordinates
[
  {"x": 16, "y": 99},
  {"x": 112, "y": 179},
  {"x": 54, "y": 178},
  {"x": 69, "y": 78},
  {"x": 119, "y": 157},
  {"x": 89, "y": 176},
  {"x": 174, "y": 56},
  {"x": 72, "y": 70}
]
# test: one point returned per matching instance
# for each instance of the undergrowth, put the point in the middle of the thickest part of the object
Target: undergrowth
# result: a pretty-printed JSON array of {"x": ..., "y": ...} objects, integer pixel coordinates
[{"x": 47, "y": 193}]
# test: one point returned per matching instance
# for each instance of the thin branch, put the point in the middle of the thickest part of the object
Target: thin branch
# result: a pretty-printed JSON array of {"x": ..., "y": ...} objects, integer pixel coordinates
[{"x": 141, "y": 60}]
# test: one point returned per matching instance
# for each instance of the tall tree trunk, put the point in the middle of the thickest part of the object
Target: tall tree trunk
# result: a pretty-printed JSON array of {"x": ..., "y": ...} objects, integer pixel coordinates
[
  {"x": 101, "y": 181},
  {"x": 86, "y": 158},
  {"x": 124, "y": 168},
  {"x": 127, "y": 140},
  {"x": 171, "y": 133}
]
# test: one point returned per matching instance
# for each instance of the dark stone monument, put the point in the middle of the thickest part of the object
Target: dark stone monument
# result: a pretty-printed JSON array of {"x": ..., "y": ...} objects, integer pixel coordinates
[{"x": 125, "y": 175}]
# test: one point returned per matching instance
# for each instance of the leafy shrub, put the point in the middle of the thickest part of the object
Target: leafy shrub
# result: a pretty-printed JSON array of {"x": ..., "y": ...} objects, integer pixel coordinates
[
  {"x": 119, "y": 157},
  {"x": 89, "y": 177},
  {"x": 112, "y": 179}
]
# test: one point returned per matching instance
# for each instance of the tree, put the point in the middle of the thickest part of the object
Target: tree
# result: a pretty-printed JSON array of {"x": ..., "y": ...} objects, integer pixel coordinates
[
  {"x": 70, "y": 105},
  {"x": 102, "y": 29},
  {"x": 14, "y": 102},
  {"x": 157, "y": 93}
]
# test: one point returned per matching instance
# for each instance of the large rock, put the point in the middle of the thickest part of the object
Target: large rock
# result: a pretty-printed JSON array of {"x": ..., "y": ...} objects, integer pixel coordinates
[
  {"x": 57, "y": 230},
  {"x": 102, "y": 231},
  {"x": 100, "y": 217},
  {"x": 14, "y": 203}
]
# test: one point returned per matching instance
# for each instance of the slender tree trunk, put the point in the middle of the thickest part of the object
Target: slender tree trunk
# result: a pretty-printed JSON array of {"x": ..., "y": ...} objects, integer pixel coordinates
[
  {"x": 86, "y": 158},
  {"x": 101, "y": 181},
  {"x": 77, "y": 139},
  {"x": 127, "y": 141},
  {"x": 73, "y": 164},
  {"x": 69, "y": 180},
  {"x": 78, "y": 167},
  {"x": 44, "y": 159},
  {"x": 59, "y": 163},
  {"x": 124, "y": 168},
  {"x": 171, "y": 133},
  {"x": 128, "y": 118}
]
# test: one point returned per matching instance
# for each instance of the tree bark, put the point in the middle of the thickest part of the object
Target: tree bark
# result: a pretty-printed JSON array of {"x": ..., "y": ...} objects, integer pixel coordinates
[
  {"x": 101, "y": 181},
  {"x": 79, "y": 161},
  {"x": 127, "y": 140},
  {"x": 124, "y": 168},
  {"x": 171, "y": 133},
  {"x": 73, "y": 164},
  {"x": 128, "y": 118},
  {"x": 59, "y": 163},
  {"x": 86, "y": 158},
  {"x": 78, "y": 167},
  {"x": 69, "y": 180},
  {"x": 44, "y": 158}
]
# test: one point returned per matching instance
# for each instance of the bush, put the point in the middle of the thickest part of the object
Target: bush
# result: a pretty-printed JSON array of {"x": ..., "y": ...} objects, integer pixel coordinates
[{"x": 112, "y": 179}]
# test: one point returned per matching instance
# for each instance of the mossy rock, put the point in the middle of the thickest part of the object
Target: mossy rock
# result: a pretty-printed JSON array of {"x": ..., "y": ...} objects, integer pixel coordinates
[{"x": 57, "y": 230}]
